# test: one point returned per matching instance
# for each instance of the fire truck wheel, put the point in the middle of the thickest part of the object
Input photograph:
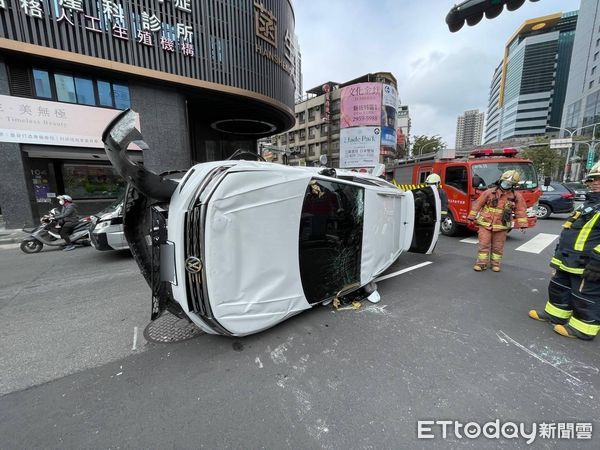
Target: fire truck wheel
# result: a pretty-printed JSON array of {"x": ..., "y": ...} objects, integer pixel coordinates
[{"x": 449, "y": 226}]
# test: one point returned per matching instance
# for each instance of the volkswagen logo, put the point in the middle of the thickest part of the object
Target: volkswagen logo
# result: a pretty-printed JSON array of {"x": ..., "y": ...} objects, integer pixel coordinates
[{"x": 193, "y": 264}]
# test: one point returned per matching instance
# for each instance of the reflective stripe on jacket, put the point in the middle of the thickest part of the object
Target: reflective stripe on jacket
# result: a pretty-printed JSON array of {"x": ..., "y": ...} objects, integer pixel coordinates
[{"x": 579, "y": 242}]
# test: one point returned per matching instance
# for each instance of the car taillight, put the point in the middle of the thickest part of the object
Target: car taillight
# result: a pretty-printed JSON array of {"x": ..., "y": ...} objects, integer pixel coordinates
[{"x": 567, "y": 195}]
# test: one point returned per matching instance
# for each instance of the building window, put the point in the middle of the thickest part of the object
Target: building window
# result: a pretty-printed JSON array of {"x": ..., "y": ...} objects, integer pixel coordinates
[
  {"x": 302, "y": 134},
  {"x": 593, "y": 70},
  {"x": 105, "y": 97},
  {"x": 83, "y": 181},
  {"x": 597, "y": 42},
  {"x": 324, "y": 147},
  {"x": 591, "y": 85},
  {"x": 311, "y": 150},
  {"x": 596, "y": 56},
  {"x": 311, "y": 132},
  {"x": 301, "y": 117},
  {"x": 324, "y": 128},
  {"x": 43, "y": 89},
  {"x": 122, "y": 100},
  {"x": 85, "y": 91},
  {"x": 73, "y": 89},
  {"x": 65, "y": 88},
  {"x": 335, "y": 106}
]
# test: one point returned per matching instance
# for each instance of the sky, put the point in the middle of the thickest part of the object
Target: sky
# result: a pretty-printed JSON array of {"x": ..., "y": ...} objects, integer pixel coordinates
[{"x": 440, "y": 74}]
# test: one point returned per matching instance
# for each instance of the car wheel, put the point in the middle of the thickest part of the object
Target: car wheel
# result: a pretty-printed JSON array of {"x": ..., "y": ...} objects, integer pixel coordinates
[
  {"x": 449, "y": 226},
  {"x": 543, "y": 211},
  {"x": 31, "y": 246}
]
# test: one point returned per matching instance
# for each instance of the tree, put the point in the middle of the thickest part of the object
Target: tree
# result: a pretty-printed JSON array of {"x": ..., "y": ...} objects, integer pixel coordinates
[
  {"x": 427, "y": 144},
  {"x": 548, "y": 162}
]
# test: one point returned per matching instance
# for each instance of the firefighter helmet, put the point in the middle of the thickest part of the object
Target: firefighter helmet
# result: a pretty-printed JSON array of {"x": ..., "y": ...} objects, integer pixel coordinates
[
  {"x": 511, "y": 176},
  {"x": 594, "y": 172},
  {"x": 433, "y": 178}
]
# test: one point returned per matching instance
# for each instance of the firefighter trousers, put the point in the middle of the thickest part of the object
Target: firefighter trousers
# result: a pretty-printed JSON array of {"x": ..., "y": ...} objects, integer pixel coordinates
[
  {"x": 574, "y": 301},
  {"x": 490, "y": 246}
]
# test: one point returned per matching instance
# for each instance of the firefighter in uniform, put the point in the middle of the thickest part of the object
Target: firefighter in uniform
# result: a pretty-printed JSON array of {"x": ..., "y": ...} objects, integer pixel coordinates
[
  {"x": 493, "y": 212},
  {"x": 435, "y": 180},
  {"x": 574, "y": 291}
]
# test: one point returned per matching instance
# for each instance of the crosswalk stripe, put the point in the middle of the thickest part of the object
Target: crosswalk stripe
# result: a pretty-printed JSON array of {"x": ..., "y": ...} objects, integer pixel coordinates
[
  {"x": 537, "y": 243},
  {"x": 470, "y": 240}
]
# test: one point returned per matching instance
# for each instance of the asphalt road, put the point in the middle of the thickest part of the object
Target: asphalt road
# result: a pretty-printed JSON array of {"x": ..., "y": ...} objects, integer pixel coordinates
[{"x": 445, "y": 343}]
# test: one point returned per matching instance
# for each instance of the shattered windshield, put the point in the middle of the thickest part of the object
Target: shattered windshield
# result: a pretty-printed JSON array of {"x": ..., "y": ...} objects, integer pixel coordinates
[
  {"x": 331, "y": 230},
  {"x": 484, "y": 175}
]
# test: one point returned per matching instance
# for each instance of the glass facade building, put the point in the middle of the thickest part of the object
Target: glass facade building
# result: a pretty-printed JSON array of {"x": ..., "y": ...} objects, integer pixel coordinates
[{"x": 528, "y": 87}]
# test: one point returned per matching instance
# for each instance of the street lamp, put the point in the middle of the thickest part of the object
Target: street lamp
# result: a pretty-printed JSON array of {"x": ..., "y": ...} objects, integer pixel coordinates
[
  {"x": 571, "y": 133},
  {"x": 425, "y": 146}
]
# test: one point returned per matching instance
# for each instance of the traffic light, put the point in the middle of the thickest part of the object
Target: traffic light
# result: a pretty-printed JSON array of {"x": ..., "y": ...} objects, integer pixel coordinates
[{"x": 472, "y": 11}]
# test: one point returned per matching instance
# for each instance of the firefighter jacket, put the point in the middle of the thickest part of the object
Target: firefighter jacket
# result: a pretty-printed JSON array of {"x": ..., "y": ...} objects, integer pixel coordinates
[
  {"x": 494, "y": 209},
  {"x": 579, "y": 241}
]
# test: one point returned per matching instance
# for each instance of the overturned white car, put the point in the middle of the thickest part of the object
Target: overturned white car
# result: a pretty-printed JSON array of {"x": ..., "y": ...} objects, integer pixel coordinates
[{"x": 239, "y": 246}]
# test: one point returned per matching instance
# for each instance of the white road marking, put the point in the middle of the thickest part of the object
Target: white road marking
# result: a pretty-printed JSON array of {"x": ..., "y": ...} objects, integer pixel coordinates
[
  {"x": 400, "y": 272},
  {"x": 470, "y": 240},
  {"x": 9, "y": 246},
  {"x": 507, "y": 339},
  {"x": 538, "y": 243},
  {"x": 135, "y": 332}
]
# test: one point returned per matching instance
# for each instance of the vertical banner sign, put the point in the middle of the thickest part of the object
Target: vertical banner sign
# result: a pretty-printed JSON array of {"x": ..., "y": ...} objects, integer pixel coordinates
[
  {"x": 590, "y": 159},
  {"x": 327, "y": 90},
  {"x": 361, "y": 105},
  {"x": 388, "y": 116},
  {"x": 359, "y": 147}
]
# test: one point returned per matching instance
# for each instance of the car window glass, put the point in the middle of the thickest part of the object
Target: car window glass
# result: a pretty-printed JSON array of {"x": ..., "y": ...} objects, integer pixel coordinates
[
  {"x": 456, "y": 176},
  {"x": 331, "y": 229}
]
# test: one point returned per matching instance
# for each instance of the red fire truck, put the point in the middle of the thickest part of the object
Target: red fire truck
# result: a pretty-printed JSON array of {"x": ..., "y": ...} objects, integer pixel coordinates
[{"x": 465, "y": 178}]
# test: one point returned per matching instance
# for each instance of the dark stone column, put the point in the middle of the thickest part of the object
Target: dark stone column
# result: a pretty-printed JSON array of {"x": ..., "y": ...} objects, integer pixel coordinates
[
  {"x": 15, "y": 195},
  {"x": 163, "y": 123}
]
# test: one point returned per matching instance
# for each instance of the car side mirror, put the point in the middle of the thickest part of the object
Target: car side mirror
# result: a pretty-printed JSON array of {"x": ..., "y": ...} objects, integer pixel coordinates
[{"x": 547, "y": 181}]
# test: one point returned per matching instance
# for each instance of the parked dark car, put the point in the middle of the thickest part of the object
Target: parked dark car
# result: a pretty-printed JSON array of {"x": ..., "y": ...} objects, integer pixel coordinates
[
  {"x": 556, "y": 198},
  {"x": 579, "y": 189}
]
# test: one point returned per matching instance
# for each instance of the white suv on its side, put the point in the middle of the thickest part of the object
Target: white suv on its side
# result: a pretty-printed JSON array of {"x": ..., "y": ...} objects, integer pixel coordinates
[{"x": 239, "y": 246}]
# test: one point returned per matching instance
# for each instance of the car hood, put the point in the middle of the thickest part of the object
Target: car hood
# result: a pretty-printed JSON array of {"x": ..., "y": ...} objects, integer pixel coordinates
[{"x": 261, "y": 215}]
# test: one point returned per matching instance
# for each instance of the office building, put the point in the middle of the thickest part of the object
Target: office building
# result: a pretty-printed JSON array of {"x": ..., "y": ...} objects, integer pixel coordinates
[
  {"x": 582, "y": 103},
  {"x": 528, "y": 88}
]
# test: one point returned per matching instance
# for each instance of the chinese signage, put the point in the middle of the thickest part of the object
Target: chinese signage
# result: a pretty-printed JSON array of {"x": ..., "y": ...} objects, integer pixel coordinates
[
  {"x": 361, "y": 105},
  {"x": 266, "y": 27},
  {"x": 30, "y": 121},
  {"x": 327, "y": 91},
  {"x": 146, "y": 27},
  {"x": 359, "y": 147}
]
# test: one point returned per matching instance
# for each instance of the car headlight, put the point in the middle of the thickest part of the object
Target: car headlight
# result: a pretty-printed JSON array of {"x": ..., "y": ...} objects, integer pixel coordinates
[{"x": 104, "y": 224}]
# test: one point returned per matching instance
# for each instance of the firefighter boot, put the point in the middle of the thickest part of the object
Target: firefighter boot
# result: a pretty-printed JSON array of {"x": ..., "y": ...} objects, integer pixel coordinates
[
  {"x": 570, "y": 332},
  {"x": 496, "y": 268},
  {"x": 479, "y": 267},
  {"x": 542, "y": 316},
  {"x": 545, "y": 316}
]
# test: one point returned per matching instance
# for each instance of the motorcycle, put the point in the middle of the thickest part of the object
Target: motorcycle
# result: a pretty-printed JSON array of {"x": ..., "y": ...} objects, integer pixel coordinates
[{"x": 47, "y": 233}]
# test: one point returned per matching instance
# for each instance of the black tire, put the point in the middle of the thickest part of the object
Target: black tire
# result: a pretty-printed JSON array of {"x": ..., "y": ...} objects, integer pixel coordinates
[
  {"x": 31, "y": 246},
  {"x": 449, "y": 226},
  {"x": 543, "y": 211}
]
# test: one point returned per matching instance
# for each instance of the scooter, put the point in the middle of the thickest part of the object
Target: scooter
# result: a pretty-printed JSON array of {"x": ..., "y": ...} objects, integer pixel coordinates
[{"x": 47, "y": 234}]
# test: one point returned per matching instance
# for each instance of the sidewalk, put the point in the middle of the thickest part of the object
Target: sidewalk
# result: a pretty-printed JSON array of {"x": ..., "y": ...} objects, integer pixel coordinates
[{"x": 10, "y": 236}]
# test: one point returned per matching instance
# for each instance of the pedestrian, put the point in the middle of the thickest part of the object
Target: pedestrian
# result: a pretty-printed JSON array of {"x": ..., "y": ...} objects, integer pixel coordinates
[
  {"x": 435, "y": 180},
  {"x": 573, "y": 305},
  {"x": 493, "y": 213},
  {"x": 67, "y": 218}
]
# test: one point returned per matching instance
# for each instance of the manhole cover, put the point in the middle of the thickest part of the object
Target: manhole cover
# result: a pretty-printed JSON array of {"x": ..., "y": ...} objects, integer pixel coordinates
[{"x": 169, "y": 328}]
